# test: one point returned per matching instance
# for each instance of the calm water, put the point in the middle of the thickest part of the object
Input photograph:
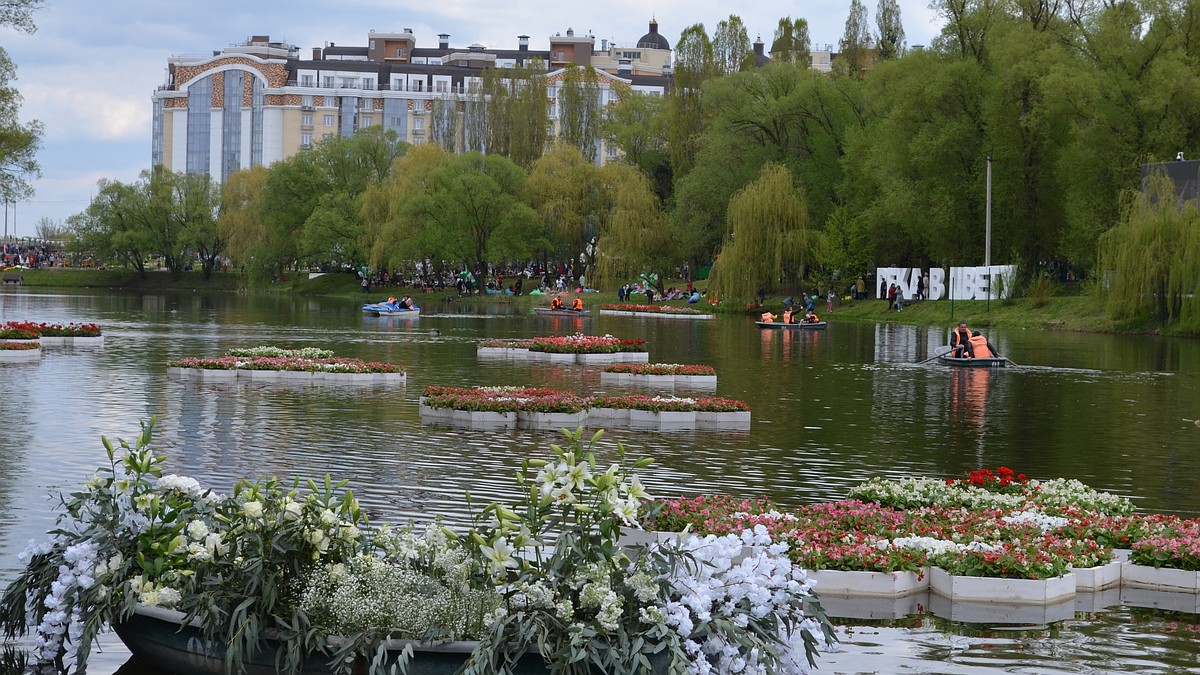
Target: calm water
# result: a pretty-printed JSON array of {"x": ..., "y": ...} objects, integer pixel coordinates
[{"x": 830, "y": 409}]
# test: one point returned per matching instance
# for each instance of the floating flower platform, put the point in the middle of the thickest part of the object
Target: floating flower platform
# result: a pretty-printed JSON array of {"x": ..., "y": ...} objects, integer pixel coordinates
[
  {"x": 1159, "y": 578},
  {"x": 20, "y": 351},
  {"x": 959, "y": 588},
  {"x": 655, "y": 311},
  {"x": 503, "y": 349},
  {"x": 846, "y": 584},
  {"x": 54, "y": 334},
  {"x": 661, "y": 375},
  {"x": 573, "y": 349},
  {"x": 538, "y": 408},
  {"x": 273, "y": 364}
]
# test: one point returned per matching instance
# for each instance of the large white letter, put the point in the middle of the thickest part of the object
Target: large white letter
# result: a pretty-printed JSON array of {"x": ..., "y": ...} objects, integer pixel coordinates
[{"x": 937, "y": 285}]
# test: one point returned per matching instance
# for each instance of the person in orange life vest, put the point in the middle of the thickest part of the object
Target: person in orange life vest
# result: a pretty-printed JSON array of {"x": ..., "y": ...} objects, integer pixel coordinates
[
  {"x": 959, "y": 340},
  {"x": 811, "y": 317},
  {"x": 980, "y": 348},
  {"x": 788, "y": 315},
  {"x": 556, "y": 303},
  {"x": 768, "y": 317},
  {"x": 577, "y": 305}
]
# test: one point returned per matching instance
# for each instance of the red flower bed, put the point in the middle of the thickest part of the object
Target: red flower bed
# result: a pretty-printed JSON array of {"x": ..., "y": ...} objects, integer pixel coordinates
[
  {"x": 670, "y": 403},
  {"x": 18, "y": 346},
  {"x": 329, "y": 365},
  {"x": 53, "y": 329},
  {"x": 652, "y": 309},
  {"x": 1003, "y": 480},
  {"x": 505, "y": 399}
]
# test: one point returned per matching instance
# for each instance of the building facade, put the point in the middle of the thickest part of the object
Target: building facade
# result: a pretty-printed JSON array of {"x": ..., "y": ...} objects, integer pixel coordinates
[{"x": 257, "y": 102}]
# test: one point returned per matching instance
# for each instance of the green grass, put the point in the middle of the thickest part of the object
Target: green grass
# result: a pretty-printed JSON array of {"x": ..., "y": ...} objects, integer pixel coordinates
[{"x": 127, "y": 279}]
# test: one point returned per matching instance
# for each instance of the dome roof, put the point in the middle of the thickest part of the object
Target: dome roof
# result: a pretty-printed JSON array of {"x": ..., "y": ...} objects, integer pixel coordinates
[{"x": 653, "y": 40}]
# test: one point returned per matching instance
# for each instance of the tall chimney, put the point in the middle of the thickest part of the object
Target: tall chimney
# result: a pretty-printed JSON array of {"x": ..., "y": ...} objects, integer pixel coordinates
[
  {"x": 316, "y": 54},
  {"x": 443, "y": 40},
  {"x": 523, "y": 43}
]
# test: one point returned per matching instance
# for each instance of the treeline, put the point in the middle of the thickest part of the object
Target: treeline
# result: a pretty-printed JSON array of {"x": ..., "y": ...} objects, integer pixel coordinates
[{"x": 778, "y": 173}]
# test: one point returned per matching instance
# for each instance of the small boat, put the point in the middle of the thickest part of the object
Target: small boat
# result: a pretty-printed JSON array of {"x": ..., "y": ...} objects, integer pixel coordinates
[
  {"x": 772, "y": 325},
  {"x": 388, "y": 309},
  {"x": 548, "y": 311},
  {"x": 164, "y": 638},
  {"x": 965, "y": 362}
]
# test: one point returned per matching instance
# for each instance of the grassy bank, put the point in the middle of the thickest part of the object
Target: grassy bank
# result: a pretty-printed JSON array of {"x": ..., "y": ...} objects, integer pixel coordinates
[{"x": 1070, "y": 313}]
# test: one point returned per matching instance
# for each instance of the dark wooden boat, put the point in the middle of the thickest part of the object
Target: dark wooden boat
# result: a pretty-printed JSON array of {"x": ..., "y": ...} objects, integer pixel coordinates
[
  {"x": 774, "y": 325},
  {"x": 162, "y": 638},
  {"x": 994, "y": 362}
]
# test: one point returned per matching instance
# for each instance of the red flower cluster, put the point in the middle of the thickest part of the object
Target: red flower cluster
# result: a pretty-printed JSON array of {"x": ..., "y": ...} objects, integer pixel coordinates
[
  {"x": 652, "y": 309},
  {"x": 17, "y": 346},
  {"x": 51, "y": 329},
  {"x": 659, "y": 369},
  {"x": 1003, "y": 479},
  {"x": 586, "y": 344},
  {"x": 504, "y": 399},
  {"x": 670, "y": 403}
]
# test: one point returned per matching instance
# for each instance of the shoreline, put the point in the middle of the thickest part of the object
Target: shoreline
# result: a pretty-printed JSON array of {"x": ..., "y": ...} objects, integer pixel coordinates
[{"x": 1079, "y": 312}]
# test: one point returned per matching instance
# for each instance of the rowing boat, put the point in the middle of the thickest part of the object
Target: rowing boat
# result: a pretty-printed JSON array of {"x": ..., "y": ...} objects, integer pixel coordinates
[
  {"x": 771, "y": 325},
  {"x": 548, "y": 311},
  {"x": 967, "y": 362}
]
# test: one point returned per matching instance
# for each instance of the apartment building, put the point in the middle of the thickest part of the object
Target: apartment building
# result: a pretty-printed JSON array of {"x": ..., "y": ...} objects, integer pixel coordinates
[{"x": 261, "y": 101}]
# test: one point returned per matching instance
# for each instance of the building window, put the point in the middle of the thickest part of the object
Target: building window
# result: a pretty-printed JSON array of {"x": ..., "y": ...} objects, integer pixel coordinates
[
  {"x": 327, "y": 82},
  {"x": 611, "y": 151},
  {"x": 349, "y": 83},
  {"x": 367, "y": 121},
  {"x": 368, "y": 83},
  {"x": 306, "y": 140},
  {"x": 440, "y": 86},
  {"x": 365, "y": 104},
  {"x": 418, "y": 124},
  {"x": 306, "y": 120},
  {"x": 416, "y": 85},
  {"x": 306, "y": 101},
  {"x": 371, "y": 45},
  {"x": 307, "y": 81},
  {"x": 329, "y": 120},
  {"x": 401, "y": 52}
]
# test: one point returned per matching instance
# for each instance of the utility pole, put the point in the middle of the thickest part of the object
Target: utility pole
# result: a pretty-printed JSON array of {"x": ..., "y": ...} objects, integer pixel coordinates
[{"x": 987, "y": 236}]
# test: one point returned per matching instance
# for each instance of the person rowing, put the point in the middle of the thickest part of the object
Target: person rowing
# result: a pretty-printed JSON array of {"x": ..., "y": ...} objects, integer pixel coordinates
[{"x": 978, "y": 347}]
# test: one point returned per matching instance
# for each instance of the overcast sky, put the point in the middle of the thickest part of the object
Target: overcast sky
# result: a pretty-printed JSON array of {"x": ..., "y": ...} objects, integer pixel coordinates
[{"x": 88, "y": 72}]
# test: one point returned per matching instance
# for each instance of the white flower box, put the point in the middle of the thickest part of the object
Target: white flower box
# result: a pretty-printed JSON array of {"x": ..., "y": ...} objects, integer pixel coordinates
[
  {"x": 738, "y": 419},
  {"x": 844, "y": 583},
  {"x": 502, "y": 352},
  {"x": 667, "y": 381},
  {"x": 480, "y": 419},
  {"x": 1160, "y": 599},
  {"x": 632, "y": 357},
  {"x": 550, "y": 421},
  {"x": 873, "y": 607},
  {"x": 1159, "y": 578},
  {"x": 1097, "y": 578},
  {"x": 665, "y": 419},
  {"x": 1000, "y": 611},
  {"x": 1010, "y": 591},
  {"x": 616, "y": 379},
  {"x": 435, "y": 415},
  {"x": 1122, "y": 554},
  {"x": 607, "y": 416},
  {"x": 220, "y": 375},
  {"x": 19, "y": 355},
  {"x": 560, "y": 358},
  {"x": 72, "y": 341},
  {"x": 538, "y": 356},
  {"x": 696, "y": 381}
]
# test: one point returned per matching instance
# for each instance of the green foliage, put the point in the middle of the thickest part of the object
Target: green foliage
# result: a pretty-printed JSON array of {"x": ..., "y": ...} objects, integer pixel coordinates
[
  {"x": 890, "y": 30},
  {"x": 19, "y": 142},
  {"x": 1152, "y": 258},
  {"x": 791, "y": 43},
  {"x": 1040, "y": 289},
  {"x": 579, "y": 111},
  {"x": 633, "y": 236}
]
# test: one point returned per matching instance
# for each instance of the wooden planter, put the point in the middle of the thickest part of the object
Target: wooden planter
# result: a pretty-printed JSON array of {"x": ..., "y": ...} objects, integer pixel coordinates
[{"x": 995, "y": 590}]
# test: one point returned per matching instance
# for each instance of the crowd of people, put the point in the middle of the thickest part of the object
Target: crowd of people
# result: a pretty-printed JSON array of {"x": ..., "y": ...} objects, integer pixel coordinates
[{"x": 36, "y": 254}]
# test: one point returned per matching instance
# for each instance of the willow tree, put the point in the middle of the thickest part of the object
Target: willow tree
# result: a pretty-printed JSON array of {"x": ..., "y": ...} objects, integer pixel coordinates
[
  {"x": 562, "y": 189},
  {"x": 633, "y": 234},
  {"x": 393, "y": 239},
  {"x": 246, "y": 236},
  {"x": 694, "y": 65},
  {"x": 1152, "y": 258},
  {"x": 768, "y": 237},
  {"x": 579, "y": 110}
]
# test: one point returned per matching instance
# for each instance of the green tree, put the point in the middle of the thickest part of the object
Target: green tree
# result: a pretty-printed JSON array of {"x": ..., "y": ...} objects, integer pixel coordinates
[
  {"x": 197, "y": 201},
  {"x": 111, "y": 227},
  {"x": 856, "y": 41},
  {"x": 395, "y": 238},
  {"x": 238, "y": 223},
  {"x": 633, "y": 236},
  {"x": 1152, "y": 258},
  {"x": 791, "y": 43},
  {"x": 579, "y": 110},
  {"x": 890, "y": 35},
  {"x": 19, "y": 142},
  {"x": 19, "y": 14},
  {"x": 769, "y": 237},
  {"x": 731, "y": 46},
  {"x": 562, "y": 189},
  {"x": 694, "y": 65},
  {"x": 637, "y": 126}
]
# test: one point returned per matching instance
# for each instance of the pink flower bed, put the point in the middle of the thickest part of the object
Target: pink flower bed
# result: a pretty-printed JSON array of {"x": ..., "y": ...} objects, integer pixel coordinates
[
  {"x": 670, "y": 403},
  {"x": 505, "y": 399},
  {"x": 586, "y": 344},
  {"x": 54, "y": 329},
  {"x": 328, "y": 365},
  {"x": 652, "y": 309},
  {"x": 659, "y": 369}
]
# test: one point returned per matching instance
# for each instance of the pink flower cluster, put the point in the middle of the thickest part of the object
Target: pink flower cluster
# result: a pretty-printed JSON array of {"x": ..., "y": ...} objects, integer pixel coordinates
[
  {"x": 331, "y": 365},
  {"x": 652, "y": 309},
  {"x": 586, "y": 344},
  {"x": 670, "y": 403},
  {"x": 504, "y": 399},
  {"x": 863, "y": 536},
  {"x": 659, "y": 369}
]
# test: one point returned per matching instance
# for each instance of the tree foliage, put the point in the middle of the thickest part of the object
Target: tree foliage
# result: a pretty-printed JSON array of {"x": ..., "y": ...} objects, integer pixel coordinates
[
  {"x": 579, "y": 110},
  {"x": 633, "y": 237},
  {"x": 856, "y": 41},
  {"x": 19, "y": 142},
  {"x": 889, "y": 29},
  {"x": 239, "y": 224},
  {"x": 769, "y": 237},
  {"x": 731, "y": 46},
  {"x": 563, "y": 190},
  {"x": 791, "y": 43}
]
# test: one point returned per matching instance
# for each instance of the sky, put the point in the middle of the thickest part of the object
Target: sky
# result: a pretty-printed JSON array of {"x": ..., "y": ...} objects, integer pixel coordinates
[{"x": 88, "y": 72}]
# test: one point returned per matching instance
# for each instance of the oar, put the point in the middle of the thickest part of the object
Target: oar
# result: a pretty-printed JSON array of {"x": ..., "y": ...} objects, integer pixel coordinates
[
  {"x": 940, "y": 351},
  {"x": 1012, "y": 363}
]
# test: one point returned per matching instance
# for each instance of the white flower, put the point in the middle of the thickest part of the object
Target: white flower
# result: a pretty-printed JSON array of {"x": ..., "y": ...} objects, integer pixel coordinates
[
  {"x": 253, "y": 509},
  {"x": 499, "y": 555},
  {"x": 292, "y": 510},
  {"x": 197, "y": 529}
]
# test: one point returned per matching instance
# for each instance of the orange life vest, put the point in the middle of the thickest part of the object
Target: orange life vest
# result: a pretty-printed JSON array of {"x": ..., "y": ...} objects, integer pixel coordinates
[
  {"x": 787, "y": 316},
  {"x": 979, "y": 347},
  {"x": 577, "y": 305},
  {"x": 768, "y": 317},
  {"x": 556, "y": 304},
  {"x": 812, "y": 318}
]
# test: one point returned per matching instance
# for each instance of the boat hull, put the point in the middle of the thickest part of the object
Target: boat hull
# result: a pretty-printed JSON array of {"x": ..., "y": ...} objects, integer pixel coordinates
[
  {"x": 559, "y": 312},
  {"x": 763, "y": 325},
  {"x": 995, "y": 362},
  {"x": 160, "y": 637},
  {"x": 384, "y": 310}
]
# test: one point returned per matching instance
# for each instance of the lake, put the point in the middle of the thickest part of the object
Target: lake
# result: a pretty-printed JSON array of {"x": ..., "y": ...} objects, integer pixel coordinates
[{"x": 830, "y": 409}]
